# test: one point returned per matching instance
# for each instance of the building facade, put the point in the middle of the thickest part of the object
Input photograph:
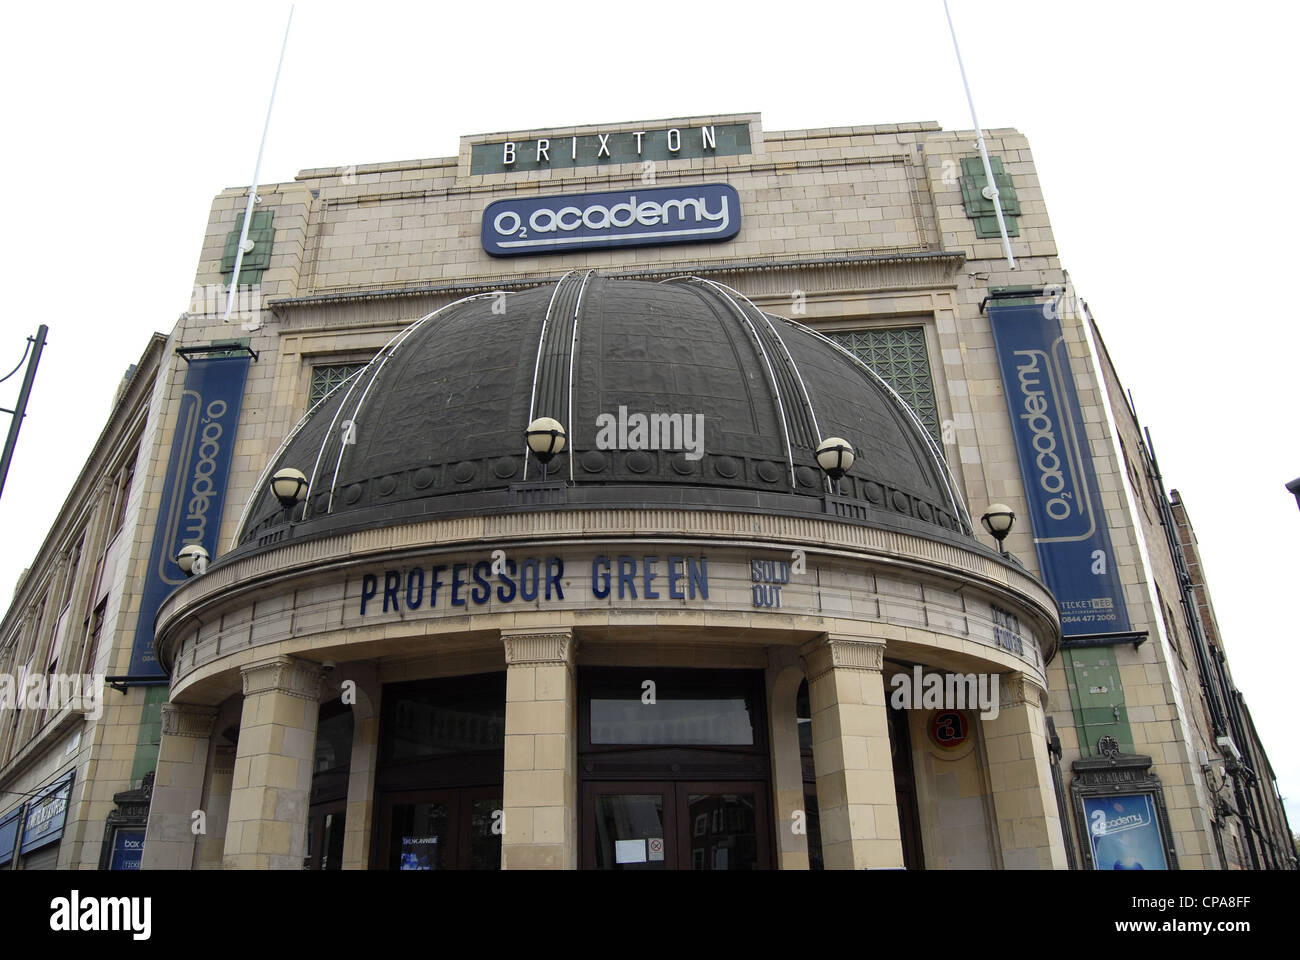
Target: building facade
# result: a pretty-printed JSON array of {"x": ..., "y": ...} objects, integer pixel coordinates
[{"x": 680, "y": 642}]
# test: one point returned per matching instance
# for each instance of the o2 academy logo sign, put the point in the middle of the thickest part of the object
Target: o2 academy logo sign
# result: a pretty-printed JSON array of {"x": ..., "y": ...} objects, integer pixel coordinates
[{"x": 702, "y": 213}]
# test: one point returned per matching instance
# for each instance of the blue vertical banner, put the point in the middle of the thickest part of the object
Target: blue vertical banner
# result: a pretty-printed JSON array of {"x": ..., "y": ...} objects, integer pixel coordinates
[
  {"x": 1065, "y": 510},
  {"x": 194, "y": 491}
]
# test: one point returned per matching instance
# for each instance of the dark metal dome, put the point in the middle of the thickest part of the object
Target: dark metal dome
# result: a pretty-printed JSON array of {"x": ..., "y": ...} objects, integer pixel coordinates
[{"x": 434, "y": 424}]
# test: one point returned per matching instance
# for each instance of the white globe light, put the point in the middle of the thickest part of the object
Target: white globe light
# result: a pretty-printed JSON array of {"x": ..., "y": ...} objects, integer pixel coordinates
[
  {"x": 289, "y": 486},
  {"x": 835, "y": 456},
  {"x": 545, "y": 437},
  {"x": 997, "y": 520},
  {"x": 192, "y": 559}
]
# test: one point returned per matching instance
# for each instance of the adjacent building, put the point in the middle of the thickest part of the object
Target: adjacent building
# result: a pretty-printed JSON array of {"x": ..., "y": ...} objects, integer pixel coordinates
[{"x": 730, "y": 605}]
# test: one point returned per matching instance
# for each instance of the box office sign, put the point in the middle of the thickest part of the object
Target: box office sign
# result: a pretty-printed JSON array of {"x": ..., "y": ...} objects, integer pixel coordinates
[
  {"x": 1070, "y": 533},
  {"x": 46, "y": 816},
  {"x": 702, "y": 213},
  {"x": 128, "y": 850},
  {"x": 194, "y": 492}
]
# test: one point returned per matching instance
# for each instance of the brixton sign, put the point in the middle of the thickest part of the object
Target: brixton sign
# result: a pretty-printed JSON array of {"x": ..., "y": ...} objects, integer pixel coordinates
[{"x": 621, "y": 218}]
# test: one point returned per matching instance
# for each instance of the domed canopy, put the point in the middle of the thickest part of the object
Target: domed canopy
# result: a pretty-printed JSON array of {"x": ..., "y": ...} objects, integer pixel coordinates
[{"x": 434, "y": 424}]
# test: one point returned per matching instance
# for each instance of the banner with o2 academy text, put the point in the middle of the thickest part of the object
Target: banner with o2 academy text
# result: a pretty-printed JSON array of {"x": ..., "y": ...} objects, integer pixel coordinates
[
  {"x": 1069, "y": 522},
  {"x": 195, "y": 489}
]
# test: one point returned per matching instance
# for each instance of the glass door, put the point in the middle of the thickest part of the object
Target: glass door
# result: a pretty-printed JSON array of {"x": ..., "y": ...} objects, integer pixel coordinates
[
  {"x": 675, "y": 826},
  {"x": 443, "y": 829},
  {"x": 325, "y": 826},
  {"x": 723, "y": 826}
]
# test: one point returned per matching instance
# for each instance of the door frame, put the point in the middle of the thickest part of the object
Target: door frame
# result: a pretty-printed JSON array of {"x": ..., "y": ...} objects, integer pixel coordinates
[
  {"x": 677, "y": 825},
  {"x": 458, "y": 800}
]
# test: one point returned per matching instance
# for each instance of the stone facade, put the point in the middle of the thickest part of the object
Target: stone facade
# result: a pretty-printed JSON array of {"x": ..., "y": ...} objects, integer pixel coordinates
[{"x": 862, "y": 228}]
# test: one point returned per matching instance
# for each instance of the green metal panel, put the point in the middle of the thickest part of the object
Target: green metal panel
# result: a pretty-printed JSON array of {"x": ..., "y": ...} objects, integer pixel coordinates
[
  {"x": 150, "y": 733},
  {"x": 257, "y": 260},
  {"x": 982, "y": 210},
  {"x": 1097, "y": 698}
]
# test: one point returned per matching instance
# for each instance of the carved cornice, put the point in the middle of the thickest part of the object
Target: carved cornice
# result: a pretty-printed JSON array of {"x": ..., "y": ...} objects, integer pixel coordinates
[
  {"x": 294, "y": 678},
  {"x": 1015, "y": 689},
  {"x": 187, "y": 720},
  {"x": 552, "y": 646},
  {"x": 824, "y": 654}
]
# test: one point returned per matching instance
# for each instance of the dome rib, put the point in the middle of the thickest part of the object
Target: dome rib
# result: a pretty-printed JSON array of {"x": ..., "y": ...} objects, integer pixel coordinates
[{"x": 738, "y": 311}]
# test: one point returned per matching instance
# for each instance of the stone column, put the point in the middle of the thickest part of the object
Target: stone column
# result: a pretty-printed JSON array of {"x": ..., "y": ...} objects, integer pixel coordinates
[
  {"x": 363, "y": 764},
  {"x": 271, "y": 790},
  {"x": 783, "y": 676},
  {"x": 540, "y": 791},
  {"x": 855, "y": 770},
  {"x": 1020, "y": 776},
  {"x": 178, "y": 787}
]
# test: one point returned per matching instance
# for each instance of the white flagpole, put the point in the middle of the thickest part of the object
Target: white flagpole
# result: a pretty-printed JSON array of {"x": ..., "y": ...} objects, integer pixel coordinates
[
  {"x": 257, "y": 170},
  {"x": 990, "y": 191}
]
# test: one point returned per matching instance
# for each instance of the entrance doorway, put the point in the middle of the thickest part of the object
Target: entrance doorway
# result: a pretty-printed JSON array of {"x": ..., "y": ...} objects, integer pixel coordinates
[
  {"x": 674, "y": 770},
  {"x": 676, "y": 826},
  {"x": 439, "y": 781},
  {"x": 443, "y": 829}
]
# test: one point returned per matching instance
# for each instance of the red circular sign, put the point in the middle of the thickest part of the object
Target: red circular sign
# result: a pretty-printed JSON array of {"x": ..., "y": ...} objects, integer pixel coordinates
[{"x": 949, "y": 729}]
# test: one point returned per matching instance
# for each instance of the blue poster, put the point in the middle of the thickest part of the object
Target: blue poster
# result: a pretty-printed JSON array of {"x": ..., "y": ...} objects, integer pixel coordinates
[
  {"x": 701, "y": 213},
  {"x": 1065, "y": 509},
  {"x": 1124, "y": 833},
  {"x": 195, "y": 488},
  {"x": 128, "y": 848},
  {"x": 9, "y": 835}
]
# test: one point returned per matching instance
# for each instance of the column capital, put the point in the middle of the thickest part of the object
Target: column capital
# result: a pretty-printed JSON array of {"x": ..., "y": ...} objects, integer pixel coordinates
[
  {"x": 188, "y": 720},
  {"x": 1017, "y": 688},
  {"x": 294, "y": 678},
  {"x": 825, "y": 653},
  {"x": 538, "y": 646}
]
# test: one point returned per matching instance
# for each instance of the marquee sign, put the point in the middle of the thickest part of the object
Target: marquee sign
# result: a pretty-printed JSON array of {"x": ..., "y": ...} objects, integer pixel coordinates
[
  {"x": 700, "y": 213},
  {"x": 1065, "y": 510}
]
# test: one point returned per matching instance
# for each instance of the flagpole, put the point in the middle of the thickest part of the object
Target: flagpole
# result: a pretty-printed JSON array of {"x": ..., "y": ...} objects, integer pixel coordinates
[
  {"x": 257, "y": 171},
  {"x": 991, "y": 190}
]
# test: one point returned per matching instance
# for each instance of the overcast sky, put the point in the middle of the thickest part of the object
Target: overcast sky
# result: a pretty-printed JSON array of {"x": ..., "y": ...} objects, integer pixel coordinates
[{"x": 1164, "y": 135}]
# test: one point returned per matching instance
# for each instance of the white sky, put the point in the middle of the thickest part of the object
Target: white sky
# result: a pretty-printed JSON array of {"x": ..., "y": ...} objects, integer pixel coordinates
[{"x": 1164, "y": 135}]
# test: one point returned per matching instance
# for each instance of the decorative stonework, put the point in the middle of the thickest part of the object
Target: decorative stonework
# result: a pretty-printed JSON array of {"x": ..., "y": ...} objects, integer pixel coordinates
[
  {"x": 187, "y": 720},
  {"x": 527, "y": 647},
  {"x": 294, "y": 678},
  {"x": 824, "y": 654},
  {"x": 1017, "y": 688}
]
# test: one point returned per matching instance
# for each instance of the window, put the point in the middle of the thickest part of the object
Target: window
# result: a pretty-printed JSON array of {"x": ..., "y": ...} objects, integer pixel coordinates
[
  {"x": 901, "y": 360},
  {"x": 123, "y": 494},
  {"x": 326, "y": 377}
]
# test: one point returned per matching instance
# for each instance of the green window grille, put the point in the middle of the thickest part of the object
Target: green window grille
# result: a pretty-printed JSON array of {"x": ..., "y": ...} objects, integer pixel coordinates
[
  {"x": 900, "y": 358},
  {"x": 978, "y": 207},
  {"x": 255, "y": 261},
  {"x": 326, "y": 377}
]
